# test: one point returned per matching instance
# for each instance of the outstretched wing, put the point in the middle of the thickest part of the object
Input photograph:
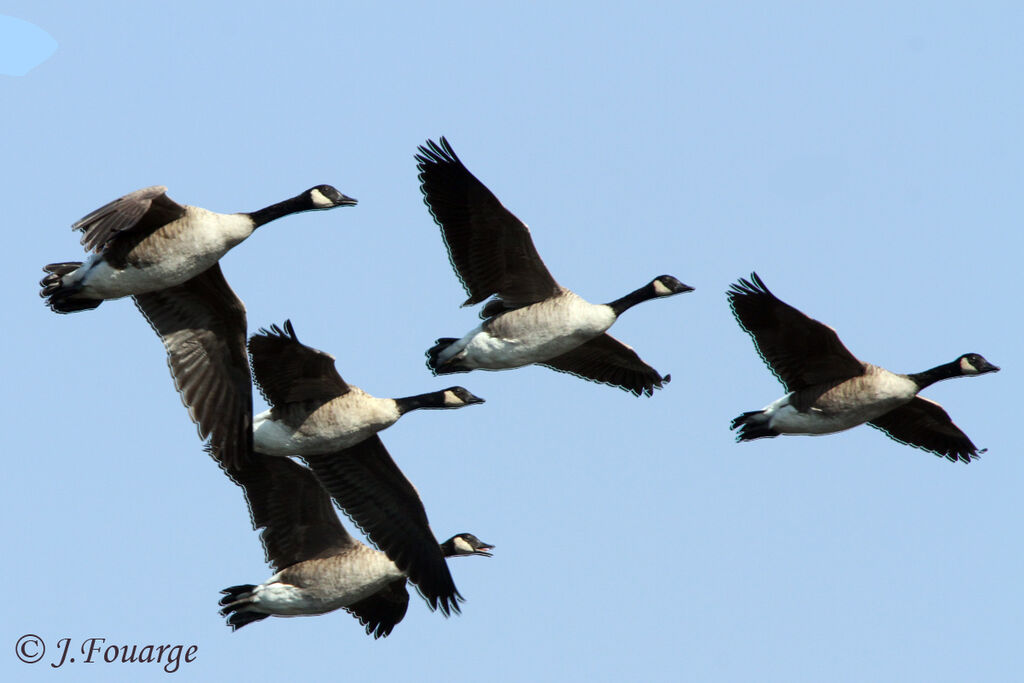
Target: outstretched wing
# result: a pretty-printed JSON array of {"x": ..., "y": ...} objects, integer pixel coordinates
[
  {"x": 801, "y": 351},
  {"x": 201, "y": 323},
  {"x": 490, "y": 249},
  {"x": 605, "y": 359},
  {"x": 288, "y": 371},
  {"x": 367, "y": 484},
  {"x": 294, "y": 511},
  {"x": 382, "y": 611},
  {"x": 926, "y": 425},
  {"x": 135, "y": 211}
]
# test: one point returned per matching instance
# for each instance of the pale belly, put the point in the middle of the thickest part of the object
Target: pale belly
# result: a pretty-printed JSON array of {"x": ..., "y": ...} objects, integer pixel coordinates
[
  {"x": 101, "y": 281},
  {"x": 487, "y": 352},
  {"x": 785, "y": 419},
  {"x": 286, "y": 600}
]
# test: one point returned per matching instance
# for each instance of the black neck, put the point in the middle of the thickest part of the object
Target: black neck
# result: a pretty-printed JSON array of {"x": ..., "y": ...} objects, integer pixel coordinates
[
  {"x": 432, "y": 400},
  {"x": 936, "y": 374},
  {"x": 632, "y": 299},
  {"x": 275, "y": 211}
]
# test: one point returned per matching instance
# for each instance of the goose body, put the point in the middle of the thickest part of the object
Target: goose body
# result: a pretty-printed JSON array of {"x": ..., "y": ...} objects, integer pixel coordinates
[
  {"x": 533, "y": 334},
  {"x": 318, "y": 566},
  {"x": 333, "y": 427},
  {"x": 531, "y": 319},
  {"x": 313, "y": 410},
  {"x": 314, "y": 429},
  {"x": 846, "y": 405},
  {"x": 169, "y": 256},
  {"x": 318, "y": 586},
  {"x": 830, "y": 390}
]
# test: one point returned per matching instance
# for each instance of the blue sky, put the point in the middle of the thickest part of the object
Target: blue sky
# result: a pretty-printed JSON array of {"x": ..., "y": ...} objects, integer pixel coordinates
[{"x": 866, "y": 162}]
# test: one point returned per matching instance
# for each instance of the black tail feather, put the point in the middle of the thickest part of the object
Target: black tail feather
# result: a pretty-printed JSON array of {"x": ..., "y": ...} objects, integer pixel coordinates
[
  {"x": 236, "y": 593},
  {"x": 752, "y": 425},
  {"x": 58, "y": 295},
  {"x": 62, "y": 269},
  {"x": 236, "y": 600},
  {"x": 240, "y": 619},
  {"x": 432, "y": 357}
]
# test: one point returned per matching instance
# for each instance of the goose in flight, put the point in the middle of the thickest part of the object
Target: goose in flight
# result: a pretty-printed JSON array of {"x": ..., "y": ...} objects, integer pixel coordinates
[
  {"x": 531, "y": 319},
  {"x": 318, "y": 566},
  {"x": 332, "y": 426},
  {"x": 830, "y": 390}
]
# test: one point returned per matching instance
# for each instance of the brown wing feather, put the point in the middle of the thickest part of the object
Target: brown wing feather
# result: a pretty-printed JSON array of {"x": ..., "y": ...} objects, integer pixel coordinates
[
  {"x": 382, "y": 611},
  {"x": 146, "y": 207},
  {"x": 288, "y": 371},
  {"x": 202, "y": 325},
  {"x": 801, "y": 351},
  {"x": 367, "y": 484},
  {"x": 605, "y": 359},
  {"x": 294, "y": 511},
  {"x": 926, "y": 425},
  {"x": 490, "y": 249}
]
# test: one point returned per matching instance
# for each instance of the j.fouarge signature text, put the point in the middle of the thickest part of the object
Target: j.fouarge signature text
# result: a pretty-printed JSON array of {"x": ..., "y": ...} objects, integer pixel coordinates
[{"x": 95, "y": 650}]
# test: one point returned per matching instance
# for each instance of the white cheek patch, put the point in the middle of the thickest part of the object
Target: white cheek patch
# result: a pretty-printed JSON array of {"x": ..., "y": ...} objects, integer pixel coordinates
[
  {"x": 320, "y": 200},
  {"x": 967, "y": 368},
  {"x": 462, "y": 546},
  {"x": 660, "y": 289},
  {"x": 450, "y": 399}
]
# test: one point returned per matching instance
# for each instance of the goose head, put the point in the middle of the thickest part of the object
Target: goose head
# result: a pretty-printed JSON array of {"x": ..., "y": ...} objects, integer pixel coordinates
[
  {"x": 975, "y": 364},
  {"x": 465, "y": 544},
  {"x": 327, "y": 197},
  {"x": 457, "y": 397},
  {"x": 666, "y": 285}
]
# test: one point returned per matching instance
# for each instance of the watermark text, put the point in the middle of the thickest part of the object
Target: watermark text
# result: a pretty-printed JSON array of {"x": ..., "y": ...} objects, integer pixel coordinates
[{"x": 31, "y": 649}]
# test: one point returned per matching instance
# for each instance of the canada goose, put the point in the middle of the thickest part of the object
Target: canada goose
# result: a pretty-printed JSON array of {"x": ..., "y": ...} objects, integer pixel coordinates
[
  {"x": 333, "y": 426},
  {"x": 313, "y": 410},
  {"x": 166, "y": 256},
  {"x": 319, "y": 566},
  {"x": 145, "y": 241},
  {"x": 830, "y": 390},
  {"x": 532, "y": 319}
]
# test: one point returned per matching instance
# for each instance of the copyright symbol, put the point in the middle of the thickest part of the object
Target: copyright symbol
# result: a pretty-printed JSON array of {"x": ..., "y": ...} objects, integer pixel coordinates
[{"x": 30, "y": 648}]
